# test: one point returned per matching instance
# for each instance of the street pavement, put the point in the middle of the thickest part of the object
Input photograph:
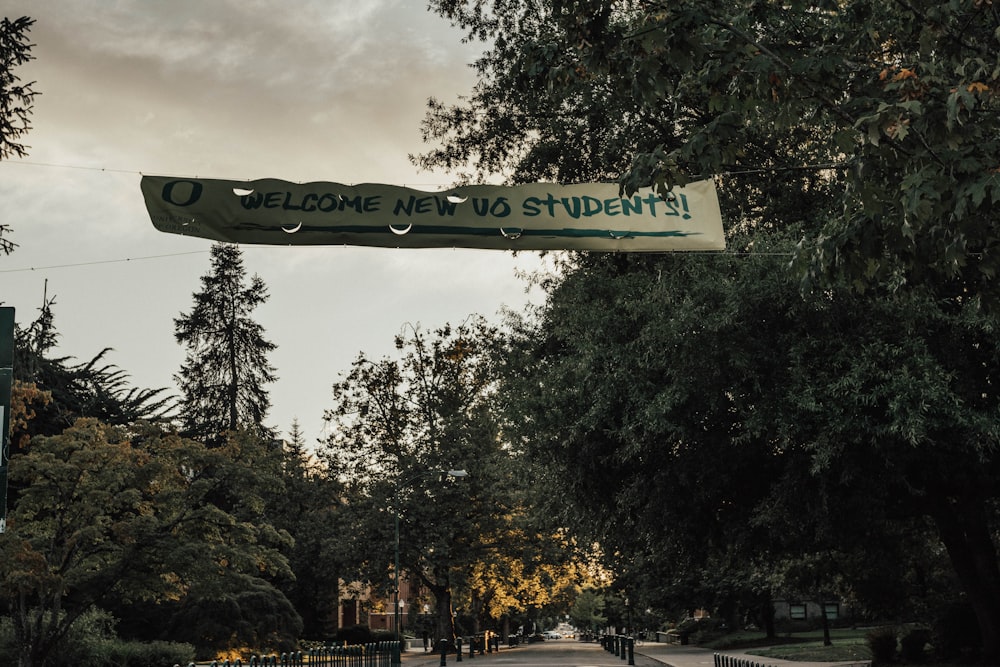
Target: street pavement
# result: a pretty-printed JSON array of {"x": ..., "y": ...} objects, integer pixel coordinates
[{"x": 571, "y": 653}]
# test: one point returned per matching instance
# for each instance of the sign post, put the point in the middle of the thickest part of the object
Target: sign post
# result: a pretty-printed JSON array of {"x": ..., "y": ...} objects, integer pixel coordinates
[{"x": 6, "y": 383}]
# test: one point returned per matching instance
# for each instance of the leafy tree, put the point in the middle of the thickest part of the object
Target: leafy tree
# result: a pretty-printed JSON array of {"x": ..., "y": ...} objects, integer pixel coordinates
[
  {"x": 880, "y": 118},
  {"x": 705, "y": 419},
  {"x": 103, "y": 516},
  {"x": 225, "y": 371},
  {"x": 890, "y": 106},
  {"x": 16, "y": 99},
  {"x": 397, "y": 425},
  {"x": 539, "y": 576},
  {"x": 588, "y": 611}
]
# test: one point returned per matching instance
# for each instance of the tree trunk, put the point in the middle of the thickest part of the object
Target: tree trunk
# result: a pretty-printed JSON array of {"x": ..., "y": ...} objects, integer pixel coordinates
[
  {"x": 446, "y": 617},
  {"x": 964, "y": 531}
]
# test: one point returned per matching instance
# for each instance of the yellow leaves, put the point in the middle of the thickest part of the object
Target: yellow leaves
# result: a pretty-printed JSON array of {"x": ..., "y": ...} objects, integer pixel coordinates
[
  {"x": 905, "y": 80},
  {"x": 25, "y": 397},
  {"x": 896, "y": 75},
  {"x": 904, "y": 74},
  {"x": 977, "y": 87}
]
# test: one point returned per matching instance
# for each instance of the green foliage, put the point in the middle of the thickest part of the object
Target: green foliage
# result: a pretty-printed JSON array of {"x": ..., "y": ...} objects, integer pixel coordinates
[
  {"x": 353, "y": 635},
  {"x": 587, "y": 612},
  {"x": 152, "y": 654},
  {"x": 245, "y": 612},
  {"x": 91, "y": 642},
  {"x": 733, "y": 439},
  {"x": 955, "y": 632},
  {"x": 888, "y": 110},
  {"x": 882, "y": 642},
  {"x": 397, "y": 425},
  {"x": 94, "y": 389},
  {"x": 913, "y": 645},
  {"x": 308, "y": 507},
  {"x": 16, "y": 98},
  {"x": 225, "y": 369},
  {"x": 108, "y": 516}
]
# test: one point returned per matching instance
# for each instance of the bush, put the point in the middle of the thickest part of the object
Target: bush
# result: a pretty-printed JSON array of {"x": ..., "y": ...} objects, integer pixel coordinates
[
  {"x": 911, "y": 646},
  {"x": 355, "y": 634},
  {"x": 955, "y": 633},
  {"x": 708, "y": 630},
  {"x": 882, "y": 642},
  {"x": 91, "y": 643}
]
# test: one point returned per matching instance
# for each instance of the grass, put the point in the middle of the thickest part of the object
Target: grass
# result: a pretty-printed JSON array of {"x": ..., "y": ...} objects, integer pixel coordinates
[{"x": 849, "y": 645}]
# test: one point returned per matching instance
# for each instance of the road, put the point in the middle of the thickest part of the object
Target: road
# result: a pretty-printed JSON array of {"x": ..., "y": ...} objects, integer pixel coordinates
[{"x": 571, "y": 653}]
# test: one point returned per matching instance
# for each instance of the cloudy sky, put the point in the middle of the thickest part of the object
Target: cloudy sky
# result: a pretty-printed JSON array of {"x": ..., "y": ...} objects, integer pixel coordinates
[{"x": 301, "y": 90}]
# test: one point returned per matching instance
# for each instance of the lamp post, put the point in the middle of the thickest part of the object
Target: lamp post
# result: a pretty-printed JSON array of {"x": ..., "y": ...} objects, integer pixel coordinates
[{"x": 399, "y": 487}]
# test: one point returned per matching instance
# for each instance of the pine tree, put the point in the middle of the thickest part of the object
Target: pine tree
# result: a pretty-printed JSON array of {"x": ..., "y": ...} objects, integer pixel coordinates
[
  {"x": 224, "y": 374},
  {"x": 62, "y": 391},
  {"x": 16, "y": 99}
]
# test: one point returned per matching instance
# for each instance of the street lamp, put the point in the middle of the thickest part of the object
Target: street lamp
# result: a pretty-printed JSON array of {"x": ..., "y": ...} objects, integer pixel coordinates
[{"x": 399, "y": 487}]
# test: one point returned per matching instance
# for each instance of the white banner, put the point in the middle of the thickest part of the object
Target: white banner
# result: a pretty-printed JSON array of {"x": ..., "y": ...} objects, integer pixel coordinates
[{"x": 537, "y": 216}]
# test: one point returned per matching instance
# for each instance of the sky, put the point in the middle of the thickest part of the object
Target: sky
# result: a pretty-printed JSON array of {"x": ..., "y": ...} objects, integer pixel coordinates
[{"x": 300, "y": 90}]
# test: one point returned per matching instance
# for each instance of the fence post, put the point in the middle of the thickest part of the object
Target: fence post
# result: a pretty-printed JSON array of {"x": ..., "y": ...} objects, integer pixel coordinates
[
  {"x": 458, "y": 649},
  {"x": 631, "y": 650}
]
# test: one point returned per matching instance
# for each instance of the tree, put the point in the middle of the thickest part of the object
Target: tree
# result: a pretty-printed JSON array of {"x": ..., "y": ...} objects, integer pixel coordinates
[
  {"x": 309, "y": 508},
  {"x": 897, "y": 99},
  {"x": 103, "y": 516},
  {"x": 397, "y": 426},
  {"x": 588, "y": 611},
  {"x": 225, "y": 370},
  {"x": 880, "y": 117},
  {"x": 706, "y": 418},
  {"x": 539, "y": 576},
  {"x": 60, "y": 391},
  {"x": 16, "y": 99}
]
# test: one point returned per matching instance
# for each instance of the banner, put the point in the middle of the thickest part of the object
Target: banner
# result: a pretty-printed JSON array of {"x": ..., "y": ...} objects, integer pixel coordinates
[{"x": 536, "y": 216}]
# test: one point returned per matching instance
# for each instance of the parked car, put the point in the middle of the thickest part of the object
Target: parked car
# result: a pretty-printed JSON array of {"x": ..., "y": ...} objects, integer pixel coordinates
[{"x": 552, "y": 634}]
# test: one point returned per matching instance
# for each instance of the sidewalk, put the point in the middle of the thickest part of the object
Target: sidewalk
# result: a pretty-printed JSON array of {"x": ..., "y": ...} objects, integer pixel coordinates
[
  {"x": 650, "y": 654},
  {"x": 674, "y": 655}
]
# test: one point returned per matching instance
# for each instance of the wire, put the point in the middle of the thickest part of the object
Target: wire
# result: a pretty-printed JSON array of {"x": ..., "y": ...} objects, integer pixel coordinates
[{"x": 104, "y": 261}]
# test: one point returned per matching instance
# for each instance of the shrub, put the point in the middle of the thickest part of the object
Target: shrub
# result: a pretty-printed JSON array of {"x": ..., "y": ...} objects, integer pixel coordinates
[
  {"x": 708, "y": 630},
  {"x": 882, "y": 642},
  {"x": 955, "y": 632},
  {"x": 911, "y": 645},
  {"x": 355, "y": 634},
  {"x": 91, "y": 642}
]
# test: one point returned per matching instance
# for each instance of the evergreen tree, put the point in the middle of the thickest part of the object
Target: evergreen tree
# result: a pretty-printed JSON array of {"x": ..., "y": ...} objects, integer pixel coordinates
[
  {"x": 226, "y": 369},
  {"x": 308, "y": 508},
  {"x": 15, "y": 98},
  {"x": 61, "y": 391}
]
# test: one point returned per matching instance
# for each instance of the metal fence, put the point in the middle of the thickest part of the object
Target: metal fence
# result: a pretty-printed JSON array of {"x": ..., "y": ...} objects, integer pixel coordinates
[
  {"x": 722, "y": 660},
  {"x": 380, "y": 654}
]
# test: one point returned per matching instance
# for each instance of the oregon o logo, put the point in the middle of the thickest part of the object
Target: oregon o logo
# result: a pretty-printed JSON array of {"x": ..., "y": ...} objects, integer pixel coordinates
[{"x": 193, "y": 195}]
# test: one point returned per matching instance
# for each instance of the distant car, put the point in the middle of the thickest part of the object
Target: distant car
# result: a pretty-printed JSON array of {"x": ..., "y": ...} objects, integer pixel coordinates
[{"x": 552, "y": 634}]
